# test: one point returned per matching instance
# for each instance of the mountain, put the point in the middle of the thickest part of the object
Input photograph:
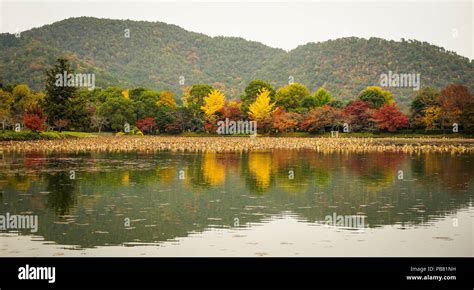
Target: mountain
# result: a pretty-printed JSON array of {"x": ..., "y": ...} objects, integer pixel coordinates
[{"x": 157, "y": 55}]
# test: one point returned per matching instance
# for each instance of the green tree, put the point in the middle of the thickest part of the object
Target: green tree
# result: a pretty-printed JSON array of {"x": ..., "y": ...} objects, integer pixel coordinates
[
  {"x": 79, "y": 114},
  {"x": 118, "y": 111},
  {"x": 336, "y": 104},
  {"x": 376, "y": 96},
  {"x": 291, "y": 96},
  {"x": 320, "y": 98},
  {"x": 144, "y": 103},
  {"x": 194, "y": 98},
  {"x": 56, "y": 103}
]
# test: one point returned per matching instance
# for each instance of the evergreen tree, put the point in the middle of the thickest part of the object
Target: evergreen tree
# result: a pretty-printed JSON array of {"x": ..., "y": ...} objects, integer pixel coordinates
[{"x": 56, "y": 103}]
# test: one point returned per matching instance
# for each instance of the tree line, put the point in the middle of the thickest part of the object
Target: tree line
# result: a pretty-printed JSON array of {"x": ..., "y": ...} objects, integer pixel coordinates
[{"x": 291, "y": 108}]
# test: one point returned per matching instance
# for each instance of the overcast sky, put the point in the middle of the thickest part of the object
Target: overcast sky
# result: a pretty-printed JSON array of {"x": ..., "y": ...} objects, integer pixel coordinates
[{"x": 283, "y": 24}]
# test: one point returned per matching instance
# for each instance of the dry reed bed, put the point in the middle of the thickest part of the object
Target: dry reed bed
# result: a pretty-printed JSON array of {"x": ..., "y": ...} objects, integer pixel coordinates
[{"x": 239, "y": 144}]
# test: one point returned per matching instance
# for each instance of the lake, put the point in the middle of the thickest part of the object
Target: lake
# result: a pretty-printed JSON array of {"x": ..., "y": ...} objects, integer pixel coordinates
[{"x": 265, "y": 203}]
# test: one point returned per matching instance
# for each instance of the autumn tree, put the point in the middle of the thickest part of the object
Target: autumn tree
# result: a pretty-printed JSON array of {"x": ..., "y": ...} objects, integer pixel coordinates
[
  {"x": 283, "y": 121},
  {"x": 425, "y": 98},
  {"x": 389, "y": 118},
  {"x": 320, "y": 118},
  {"x": 34, "y": 119},
  {"x": 431, "y": 117},
  {"x": 6, "y": 102},
  {"x": 453, "y": 101},
  {"x": 146, "y": 125},
  {"x": 359, "y": 115},
  {"x": 252, "y": 90},
  {"x": 262, "y": 108},
  {"x": 232, "y": 111},
  {"x": 167, "y": 99},
  {"x": 213, "y": 102},
  {"x": 23, "y": 100}
]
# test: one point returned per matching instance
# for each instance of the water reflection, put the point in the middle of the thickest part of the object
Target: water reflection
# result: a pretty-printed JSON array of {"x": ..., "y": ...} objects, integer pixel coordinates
[{"x": 148, "y": 198}]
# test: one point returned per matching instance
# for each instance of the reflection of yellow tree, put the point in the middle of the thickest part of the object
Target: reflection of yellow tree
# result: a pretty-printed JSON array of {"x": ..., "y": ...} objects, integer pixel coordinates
[
  {"x": 260, "y": 165},
  {"x": 167, "y": 174},
  {"x": 214, "y": 172},
  {"x": 125, "y": 178},
  {"x": 21, "y": 183}
]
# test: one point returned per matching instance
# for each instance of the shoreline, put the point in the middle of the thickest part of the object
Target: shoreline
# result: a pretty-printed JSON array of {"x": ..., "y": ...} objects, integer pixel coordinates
[{"x": 240, "y": 144}]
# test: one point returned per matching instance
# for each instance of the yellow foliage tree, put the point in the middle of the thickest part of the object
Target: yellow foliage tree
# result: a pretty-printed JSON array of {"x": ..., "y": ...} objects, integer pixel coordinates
[
  {"x": 432, "y": 116},
  {"x": 213, "y": 102},
  {"x": 166, "y": 99},
  {"x": 126, "y": 94},
  {"x": 262, "y": 108}
]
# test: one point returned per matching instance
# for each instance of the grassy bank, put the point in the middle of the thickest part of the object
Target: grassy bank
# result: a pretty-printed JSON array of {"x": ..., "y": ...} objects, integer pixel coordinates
[
  {"x": 52, "y": 135},
  {"x": 239, "y": 144}
]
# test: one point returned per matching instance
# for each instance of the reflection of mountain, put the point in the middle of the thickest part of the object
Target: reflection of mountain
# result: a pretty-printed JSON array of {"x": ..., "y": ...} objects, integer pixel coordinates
[{"x": 92, "y": 209}]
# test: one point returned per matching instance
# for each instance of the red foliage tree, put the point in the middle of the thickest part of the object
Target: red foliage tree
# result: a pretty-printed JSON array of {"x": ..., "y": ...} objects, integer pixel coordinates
[
  {"x": 389, "y": 118},
  {"x": 455, "y": 101},
  {"x": 174, "y": 127},
  {"x": 231, "y": 111},
  {"x": 283, "y": 121},
  {"x": 358, "y": 114},
  {"x": 320, "y": 118},
  {"x": 34, "y": 119},
  {"x": 146, "y": 124}
]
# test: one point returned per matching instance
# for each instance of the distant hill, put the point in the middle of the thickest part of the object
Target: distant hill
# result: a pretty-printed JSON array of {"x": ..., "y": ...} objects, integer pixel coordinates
[{"x": 157, "y": 54}]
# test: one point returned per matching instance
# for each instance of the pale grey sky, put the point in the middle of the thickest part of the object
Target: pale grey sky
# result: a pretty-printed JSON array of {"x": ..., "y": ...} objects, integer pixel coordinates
[{"x": 283, "y": 24}]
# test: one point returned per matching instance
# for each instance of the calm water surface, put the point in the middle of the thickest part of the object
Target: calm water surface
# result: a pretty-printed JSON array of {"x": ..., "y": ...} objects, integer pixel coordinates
[{"x": 230, "y": 204}]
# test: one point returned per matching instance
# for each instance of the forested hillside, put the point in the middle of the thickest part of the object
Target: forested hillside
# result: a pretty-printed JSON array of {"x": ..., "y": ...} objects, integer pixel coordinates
[{"x": 158, "y": 55}]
